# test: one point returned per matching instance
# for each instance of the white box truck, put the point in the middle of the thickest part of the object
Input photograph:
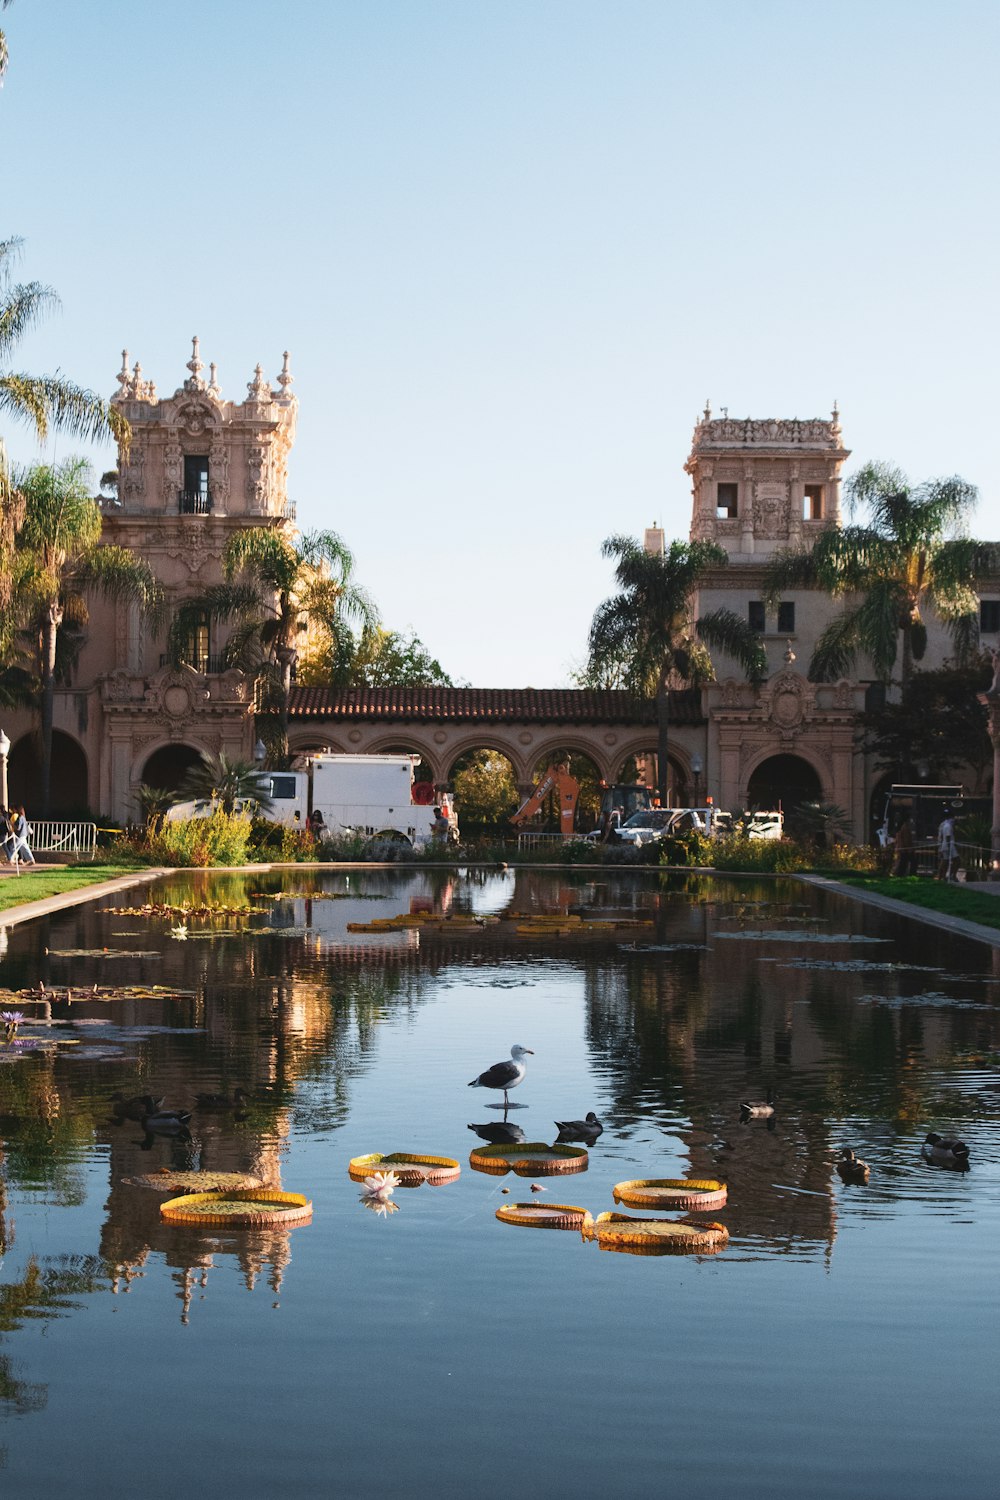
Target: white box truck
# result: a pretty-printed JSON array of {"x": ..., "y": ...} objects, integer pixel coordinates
[{"x": 368, "y": 795}]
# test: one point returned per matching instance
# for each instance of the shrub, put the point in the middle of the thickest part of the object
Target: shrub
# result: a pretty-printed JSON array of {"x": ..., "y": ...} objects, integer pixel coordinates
[{"x": 222, "y": 839}]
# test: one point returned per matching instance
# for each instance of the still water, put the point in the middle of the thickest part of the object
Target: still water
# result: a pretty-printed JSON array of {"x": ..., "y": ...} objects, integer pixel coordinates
[{"x": 843, "y": 1343}]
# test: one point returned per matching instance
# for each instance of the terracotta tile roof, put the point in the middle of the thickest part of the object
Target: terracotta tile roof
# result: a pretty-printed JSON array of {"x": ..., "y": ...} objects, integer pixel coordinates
[{"x": 488, "y": 705}]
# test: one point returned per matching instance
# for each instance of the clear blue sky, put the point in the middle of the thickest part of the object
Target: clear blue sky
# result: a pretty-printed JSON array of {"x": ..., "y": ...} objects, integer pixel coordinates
[{"x": 512, "y": 247}]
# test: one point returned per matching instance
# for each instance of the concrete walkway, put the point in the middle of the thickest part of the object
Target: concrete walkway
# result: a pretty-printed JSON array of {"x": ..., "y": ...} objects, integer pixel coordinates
[
  {"x": 31, "y": 909},
  {"x": 958, "y": 926}
]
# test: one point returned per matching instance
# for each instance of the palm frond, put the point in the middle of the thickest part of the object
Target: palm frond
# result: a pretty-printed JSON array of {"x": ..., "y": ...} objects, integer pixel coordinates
[
  {"x": 836, "y": 650},
  {"x": 119, "y": 574},
  {"x": 21, "y": 309},
  {"x": 49, "y": 401},
  {"x": 726, "y": 631}
]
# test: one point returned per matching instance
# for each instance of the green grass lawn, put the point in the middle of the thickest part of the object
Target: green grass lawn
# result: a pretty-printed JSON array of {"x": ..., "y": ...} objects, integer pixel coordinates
[
  {"x": 37, "y": 883},
  {"x": 953, "y": 900}
]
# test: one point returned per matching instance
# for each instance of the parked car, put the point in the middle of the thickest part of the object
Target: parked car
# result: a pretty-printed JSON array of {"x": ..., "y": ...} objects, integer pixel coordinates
[{"x": 660, "y": 822}]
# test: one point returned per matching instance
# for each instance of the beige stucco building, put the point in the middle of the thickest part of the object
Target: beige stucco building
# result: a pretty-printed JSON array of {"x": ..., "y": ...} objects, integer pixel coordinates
[{"x": 201, "y": 466}]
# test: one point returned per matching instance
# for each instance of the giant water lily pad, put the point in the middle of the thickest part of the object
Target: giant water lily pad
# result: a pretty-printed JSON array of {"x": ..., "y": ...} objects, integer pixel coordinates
[
  {"x": 646, "y": 1236},
  {"x": 411, "y": 1168},
  {"x": 545, "y": 1215},
  {"x": 529, "y": 1159},
  {"x": 671, "y": 1192},
  {"x": 184, "y": 1183},
  {"x": 238, "y": 1208}
]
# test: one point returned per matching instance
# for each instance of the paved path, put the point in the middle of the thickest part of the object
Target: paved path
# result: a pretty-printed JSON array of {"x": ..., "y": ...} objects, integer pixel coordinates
[
  {"x": 957, "y": 925},
  {"x": 30, "y": 909}
]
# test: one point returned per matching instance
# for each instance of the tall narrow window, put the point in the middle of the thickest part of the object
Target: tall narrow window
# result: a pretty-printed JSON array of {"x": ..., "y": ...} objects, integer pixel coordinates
[
  {"x": 786, "y": 618},
  {"x": 989, "y": 616},
  {"x": 726, "y": 496},
  {"x": 196, "y": 496},
  {"x": 812, "y": 502},
  {"x": 755, "y": 616},
  {"x": 198, "y": 643}
]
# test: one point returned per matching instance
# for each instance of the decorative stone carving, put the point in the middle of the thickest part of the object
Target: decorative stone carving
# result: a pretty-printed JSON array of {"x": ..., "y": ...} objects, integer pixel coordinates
[
  {"x": 770, "y": 510},
  {"x": 177, "y": 701},
  {"x": 257, "y": 477}
]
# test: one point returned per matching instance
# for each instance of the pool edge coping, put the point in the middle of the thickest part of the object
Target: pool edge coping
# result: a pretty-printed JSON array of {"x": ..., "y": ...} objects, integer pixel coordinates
[{"x": 957, "y": 926}]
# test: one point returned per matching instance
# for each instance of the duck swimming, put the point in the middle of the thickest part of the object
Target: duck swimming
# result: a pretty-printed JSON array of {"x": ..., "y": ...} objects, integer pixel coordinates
[
  {"x": 580, "y": 1130},
  {"x": 945, "y": 1152},
  {"x": 758, "y": 1111},
  {"x": 852, "y": 1169}
]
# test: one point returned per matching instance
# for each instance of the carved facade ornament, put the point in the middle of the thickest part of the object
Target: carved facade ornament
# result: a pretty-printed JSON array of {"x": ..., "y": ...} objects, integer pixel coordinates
[
  {"x": 196, "y": 416},
  {"x": 770, "y": 510},
  {"x": 727, "y": 431}
]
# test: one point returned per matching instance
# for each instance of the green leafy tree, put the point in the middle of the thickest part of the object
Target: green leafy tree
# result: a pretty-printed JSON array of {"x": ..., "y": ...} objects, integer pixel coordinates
[
  {"x": 219, "y": 779},
  {"x": 647, "y": 634},
  {"x": 60, "y": 560},
  {"x": 485, "y": 791},
  {"x": 938, "y": 722},
  {"x": 910, "y": 557},
  {"x": 277, "y": 588},
  {"x": 374, "y": 657}
]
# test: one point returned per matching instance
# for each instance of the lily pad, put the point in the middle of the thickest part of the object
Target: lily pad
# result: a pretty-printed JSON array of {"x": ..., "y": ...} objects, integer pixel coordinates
[
  {"x": 238, "y": 1208},
  {"x": 182, "y": 1183},
  {"x": 671, "y": 1192},
  {"x": 411, "y": 1168},
  {"x": 529, "y": 1159},
  {"x": 645, "y": 1236},
  {"x": 545, "y": 1215}
]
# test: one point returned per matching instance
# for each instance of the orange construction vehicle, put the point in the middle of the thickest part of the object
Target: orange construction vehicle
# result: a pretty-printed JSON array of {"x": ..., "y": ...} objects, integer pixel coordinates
[{"x": 556, "y": 779}]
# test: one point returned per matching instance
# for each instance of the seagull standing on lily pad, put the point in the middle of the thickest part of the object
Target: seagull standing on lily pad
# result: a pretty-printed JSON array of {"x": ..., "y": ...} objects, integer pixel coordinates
[{"x": 504, "y": 1075}]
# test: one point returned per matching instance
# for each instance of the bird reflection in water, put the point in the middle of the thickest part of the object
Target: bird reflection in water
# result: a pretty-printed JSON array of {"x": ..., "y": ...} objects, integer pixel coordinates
[{"x": 500, "y": 1132}]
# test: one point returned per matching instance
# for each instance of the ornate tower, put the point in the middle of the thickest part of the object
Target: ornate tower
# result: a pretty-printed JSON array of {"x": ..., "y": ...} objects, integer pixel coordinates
[
  {"x": 760, "y": 486},
  {"x": 198, "y": 469}
]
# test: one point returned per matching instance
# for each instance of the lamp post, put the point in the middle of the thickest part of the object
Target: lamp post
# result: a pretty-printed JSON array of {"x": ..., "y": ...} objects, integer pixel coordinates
[
  {"x": 696, "y": 769},
  {"x": 4, "y": 752}
]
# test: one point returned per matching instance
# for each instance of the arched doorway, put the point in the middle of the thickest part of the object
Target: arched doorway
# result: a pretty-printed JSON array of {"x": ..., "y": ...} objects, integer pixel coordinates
[
  {"x": 485, "y": 787},
  {"x": 167, "y": 767},
  {"x": 68, "y": 790},
  {"x": 783, "y": 782}
]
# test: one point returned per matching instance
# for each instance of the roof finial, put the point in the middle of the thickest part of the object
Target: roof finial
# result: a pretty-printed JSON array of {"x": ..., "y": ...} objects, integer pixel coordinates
[
  {"x": 286, "y": 377},
  {"x": 213, "y": 384},
  {"x": 195, "y": 365},
  {"x": 708, "y": 411},
  {"x": 258, "y": 388},
  {"x": 123, "y": 374}
]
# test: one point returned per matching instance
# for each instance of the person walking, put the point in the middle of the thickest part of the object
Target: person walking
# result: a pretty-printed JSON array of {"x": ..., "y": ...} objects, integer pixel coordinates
[
  {"x": 21, "y": 831},
  {"x": 6, "y": 835},
  {"x": 947, "y": 847}
]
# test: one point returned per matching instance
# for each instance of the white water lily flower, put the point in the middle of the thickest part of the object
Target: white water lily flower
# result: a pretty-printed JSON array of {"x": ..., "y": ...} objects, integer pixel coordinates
[{"x": 381, "y": 1184}]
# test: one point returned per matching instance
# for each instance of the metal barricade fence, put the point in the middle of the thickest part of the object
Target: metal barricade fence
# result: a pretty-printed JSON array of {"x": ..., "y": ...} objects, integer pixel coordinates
[{"x": 63, "y": 837}]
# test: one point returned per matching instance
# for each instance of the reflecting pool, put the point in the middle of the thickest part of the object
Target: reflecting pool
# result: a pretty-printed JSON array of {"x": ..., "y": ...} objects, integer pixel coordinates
[{"x": 842, "y": 1342}]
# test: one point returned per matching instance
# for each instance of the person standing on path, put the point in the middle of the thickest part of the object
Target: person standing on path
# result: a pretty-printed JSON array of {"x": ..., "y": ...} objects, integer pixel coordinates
[{"x": 947, "y": 847}]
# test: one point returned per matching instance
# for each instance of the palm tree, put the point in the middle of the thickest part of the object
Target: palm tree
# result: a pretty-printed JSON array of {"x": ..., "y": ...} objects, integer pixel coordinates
[
  {"x": 276, "y": 589},
  {"x": 59, "y": 560},
  {"x": 647, "y": 635},
  {"x": 44, "y": 400},
  {"x": 911, "y": 556},
  {"x": 219, "y": 779}
]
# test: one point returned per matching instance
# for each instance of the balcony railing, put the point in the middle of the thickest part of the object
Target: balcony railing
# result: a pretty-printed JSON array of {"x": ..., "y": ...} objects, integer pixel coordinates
[
  {"x": 194, "y": 502},
  {"x": 210, "y": 665}
]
